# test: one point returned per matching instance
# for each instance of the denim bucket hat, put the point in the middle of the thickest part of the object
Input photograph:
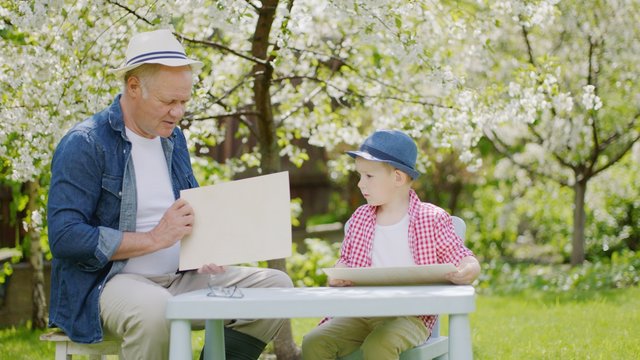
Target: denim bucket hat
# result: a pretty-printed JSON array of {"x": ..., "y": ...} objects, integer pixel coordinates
[{"x": 392, "y": 147}]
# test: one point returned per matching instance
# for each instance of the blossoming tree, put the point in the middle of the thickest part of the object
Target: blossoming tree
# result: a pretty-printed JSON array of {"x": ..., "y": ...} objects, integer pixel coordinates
[
  {"x": 560, "y": 96},
  {"x": 551, "y": 84},
  {"x": 327, "y": 71}
]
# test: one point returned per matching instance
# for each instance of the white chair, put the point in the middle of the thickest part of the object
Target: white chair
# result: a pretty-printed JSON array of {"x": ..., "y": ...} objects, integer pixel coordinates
[
  {"x": 437, "y": 346},
  {"x": 65, "y": 348}
]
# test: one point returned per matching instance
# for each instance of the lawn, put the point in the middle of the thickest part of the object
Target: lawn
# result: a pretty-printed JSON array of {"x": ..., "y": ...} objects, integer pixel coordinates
[
  {"x": 533, "y": 325},
  {"x": 596, "y": 325}
]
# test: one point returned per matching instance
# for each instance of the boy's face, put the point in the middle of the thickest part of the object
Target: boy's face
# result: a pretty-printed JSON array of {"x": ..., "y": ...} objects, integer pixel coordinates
[{"x": 378, "y": 181}]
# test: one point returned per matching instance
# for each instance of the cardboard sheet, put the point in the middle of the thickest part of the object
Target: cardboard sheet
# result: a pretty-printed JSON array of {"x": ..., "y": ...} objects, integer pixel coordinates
[
  {"x": 238, "y": 222},
  {"x": 406, "y": 275}
]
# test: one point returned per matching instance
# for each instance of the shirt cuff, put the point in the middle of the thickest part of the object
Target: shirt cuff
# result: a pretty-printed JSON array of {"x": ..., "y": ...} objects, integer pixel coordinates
[{"x": 108, "y": 242}]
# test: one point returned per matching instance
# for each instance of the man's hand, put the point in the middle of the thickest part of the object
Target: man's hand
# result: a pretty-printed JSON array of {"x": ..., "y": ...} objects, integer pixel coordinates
[
  {"x": 468, "y": 271},
  {"x": 176, "y": 223},
  {"x": 211, "y": 269}
]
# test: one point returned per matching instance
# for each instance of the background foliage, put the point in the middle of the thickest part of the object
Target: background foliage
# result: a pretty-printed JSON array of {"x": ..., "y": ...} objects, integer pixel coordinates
[{"x": 526, "y": 112}]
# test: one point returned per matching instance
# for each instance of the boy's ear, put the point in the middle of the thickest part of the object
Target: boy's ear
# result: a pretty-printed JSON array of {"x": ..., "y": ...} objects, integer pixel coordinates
[{"x": 400, "y": 177}]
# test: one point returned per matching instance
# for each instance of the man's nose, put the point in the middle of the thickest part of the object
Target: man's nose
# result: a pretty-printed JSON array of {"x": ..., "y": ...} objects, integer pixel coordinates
[{"x": 178, "y": 110}]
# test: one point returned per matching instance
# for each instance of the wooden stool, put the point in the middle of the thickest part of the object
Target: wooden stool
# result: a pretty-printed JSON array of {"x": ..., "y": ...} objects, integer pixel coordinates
[{"x": 65, "y": 348}]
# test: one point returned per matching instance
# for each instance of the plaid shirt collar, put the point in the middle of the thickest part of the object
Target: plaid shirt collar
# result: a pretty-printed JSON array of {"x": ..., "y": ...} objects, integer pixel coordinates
[{"x": 362, "y": 226}]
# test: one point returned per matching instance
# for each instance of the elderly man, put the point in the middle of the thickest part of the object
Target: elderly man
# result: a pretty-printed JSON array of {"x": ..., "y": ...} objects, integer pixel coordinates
[{"x": 116, "y": 220}]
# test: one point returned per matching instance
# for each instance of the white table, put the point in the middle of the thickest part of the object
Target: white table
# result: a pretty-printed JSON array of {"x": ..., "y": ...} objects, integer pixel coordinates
[{"x": 273, "y": 303}]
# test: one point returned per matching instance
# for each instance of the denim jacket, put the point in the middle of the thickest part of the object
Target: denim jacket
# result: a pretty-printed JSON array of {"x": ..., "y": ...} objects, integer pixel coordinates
[{"x": 92, "y": 201}]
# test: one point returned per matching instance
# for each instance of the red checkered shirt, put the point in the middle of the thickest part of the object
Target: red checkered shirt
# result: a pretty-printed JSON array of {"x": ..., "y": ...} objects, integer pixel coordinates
[{"x": 432, "y": 239}]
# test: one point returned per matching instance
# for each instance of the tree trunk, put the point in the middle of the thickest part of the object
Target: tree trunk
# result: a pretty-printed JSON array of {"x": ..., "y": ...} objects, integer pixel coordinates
[
  {"x": 285, "y": 347},
  {"x": 577, "y": 240},
  {"x": 39, "y": 313},
  {"x": 455, "y": 191}
]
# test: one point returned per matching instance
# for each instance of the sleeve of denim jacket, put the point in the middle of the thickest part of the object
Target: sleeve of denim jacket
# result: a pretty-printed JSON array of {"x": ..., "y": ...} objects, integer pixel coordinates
[{"x": 76, "y": 182}]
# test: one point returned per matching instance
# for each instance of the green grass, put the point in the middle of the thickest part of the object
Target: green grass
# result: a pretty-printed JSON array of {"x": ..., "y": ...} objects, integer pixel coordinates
[
  {"x": 22, "y": 344},
  {"x": 593, "y": 325},
  {"x": 532, "y": 325}
]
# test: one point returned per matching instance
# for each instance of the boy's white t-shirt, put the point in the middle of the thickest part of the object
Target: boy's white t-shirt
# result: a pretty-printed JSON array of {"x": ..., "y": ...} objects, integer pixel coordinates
[
  {"x": 391, "y": 245},
  {"x": 154, "y": 197}
]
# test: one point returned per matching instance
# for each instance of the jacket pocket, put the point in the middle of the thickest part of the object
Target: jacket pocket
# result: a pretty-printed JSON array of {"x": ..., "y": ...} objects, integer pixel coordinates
[
  {"x": 108, "y": 206},
  {"x": 113, "y": 185}
]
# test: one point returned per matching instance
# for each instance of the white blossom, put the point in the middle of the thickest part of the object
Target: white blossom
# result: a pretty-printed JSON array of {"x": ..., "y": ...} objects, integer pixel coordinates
[{"x": 589, "y": 99}]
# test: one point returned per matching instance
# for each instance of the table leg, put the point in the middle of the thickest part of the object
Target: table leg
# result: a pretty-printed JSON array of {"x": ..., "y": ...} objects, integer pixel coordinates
[
  {"x": 460, "y": 337},
  {"x": 214, "y": 339},
  {"x": 180, "y": 340}
]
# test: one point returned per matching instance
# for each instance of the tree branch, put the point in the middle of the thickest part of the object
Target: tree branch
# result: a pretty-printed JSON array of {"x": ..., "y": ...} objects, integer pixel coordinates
[
  {"x": 224, "y": 116},
  {"x": 223, "y": 48},
  {"x": 632, "y": 124},
  {"x": 617, "y": 157},
  {"x": 342, "y": 62},
  {"x": 592, "y": 80},
  {"x": 363, "y": 95},
  {"x": 525, "y": 35},
  {"x": 313, "y": 93},
  {"x": 501, "y": 148},
  {"x": 130, "y": 11},
  {"x": 556, "y": 155},
  {"x": 254, "y": 6},
  {"x": 590, "y": 72},
  {"x": 191, "y": 40},
  {"x": 554, "y": 112},
  {"x": 239, "y": 116},
  {"x": 229, "y": 92}
]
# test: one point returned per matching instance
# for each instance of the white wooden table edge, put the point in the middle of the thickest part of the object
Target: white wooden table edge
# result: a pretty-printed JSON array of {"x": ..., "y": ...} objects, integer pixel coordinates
[{"x": 457, "y": 301}]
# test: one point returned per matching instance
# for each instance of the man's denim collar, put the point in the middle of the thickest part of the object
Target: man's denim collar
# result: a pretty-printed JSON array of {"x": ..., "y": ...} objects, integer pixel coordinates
[{"x": 116, "y": 117}]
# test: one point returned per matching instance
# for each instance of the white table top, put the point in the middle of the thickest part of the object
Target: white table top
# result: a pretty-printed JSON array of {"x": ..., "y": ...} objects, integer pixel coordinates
[{"x": 325, "y": 301}]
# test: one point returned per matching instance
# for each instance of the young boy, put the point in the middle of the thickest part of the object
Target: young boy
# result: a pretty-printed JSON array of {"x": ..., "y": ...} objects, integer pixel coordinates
[{"x": 394, "y": 228}]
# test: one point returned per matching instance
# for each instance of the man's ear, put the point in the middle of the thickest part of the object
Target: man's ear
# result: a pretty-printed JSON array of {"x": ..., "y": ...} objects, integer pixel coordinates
[{"x": 134, "y": 87}]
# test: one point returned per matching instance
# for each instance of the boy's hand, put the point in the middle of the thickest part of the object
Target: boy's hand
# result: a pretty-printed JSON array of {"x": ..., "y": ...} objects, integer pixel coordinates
[
  {"x": 468, "y": 271},
  {"x": 339, "y": 282}
]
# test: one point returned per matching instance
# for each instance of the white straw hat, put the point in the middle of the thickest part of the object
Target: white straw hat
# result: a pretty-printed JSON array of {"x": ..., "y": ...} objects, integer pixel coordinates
[{"x": 155, "y": 47}]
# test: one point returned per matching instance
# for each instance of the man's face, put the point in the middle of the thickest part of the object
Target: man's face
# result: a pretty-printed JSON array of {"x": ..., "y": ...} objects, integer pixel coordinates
[{"x": 160, "y": 101}]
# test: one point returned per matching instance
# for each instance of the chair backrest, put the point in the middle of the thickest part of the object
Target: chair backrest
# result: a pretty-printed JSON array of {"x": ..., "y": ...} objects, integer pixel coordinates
[{"x": 460, "y": 226}]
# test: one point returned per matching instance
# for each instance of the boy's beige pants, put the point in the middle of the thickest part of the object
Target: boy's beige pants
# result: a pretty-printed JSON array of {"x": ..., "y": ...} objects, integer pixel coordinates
[
  {"x": 132, "y": 307},
  {"x": 379, "y": 338}
]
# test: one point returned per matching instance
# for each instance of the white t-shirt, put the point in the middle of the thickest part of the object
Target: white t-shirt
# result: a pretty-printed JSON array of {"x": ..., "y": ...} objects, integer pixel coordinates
[
  {"x": 154, "y": 197},
  {"x": 391, "y": 245}
]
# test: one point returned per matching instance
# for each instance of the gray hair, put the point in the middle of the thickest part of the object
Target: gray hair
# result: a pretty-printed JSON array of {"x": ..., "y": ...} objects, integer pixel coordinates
[{"x": 143, "y": 72}]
